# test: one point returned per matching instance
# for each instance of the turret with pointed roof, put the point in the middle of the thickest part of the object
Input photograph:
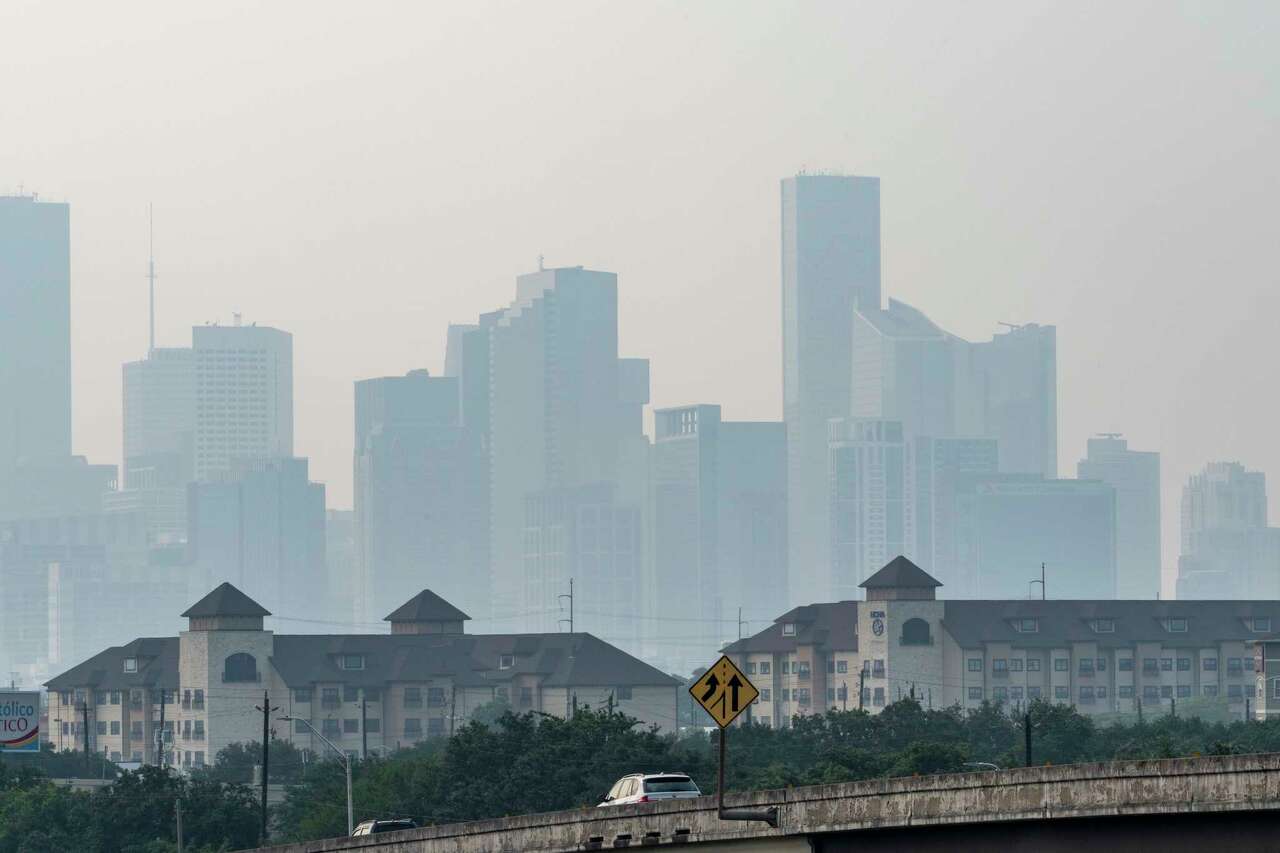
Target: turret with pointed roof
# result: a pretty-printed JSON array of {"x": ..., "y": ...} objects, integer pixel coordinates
[
  {"x": 426, "y": 613},
  {"x": 901, "y": 580},
  {"x": 226, "y": 609}
]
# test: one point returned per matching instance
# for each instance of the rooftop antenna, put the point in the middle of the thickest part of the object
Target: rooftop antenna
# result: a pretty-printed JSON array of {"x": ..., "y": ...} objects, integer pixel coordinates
[
  {"x": 151, "y": 278},
  {"x": 1013, "y": 327},
  {"x": 540, "y": 266}
]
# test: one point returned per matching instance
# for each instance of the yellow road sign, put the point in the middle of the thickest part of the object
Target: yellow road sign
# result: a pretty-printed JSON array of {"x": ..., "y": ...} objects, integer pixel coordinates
[{"x": 724, "y": 691}]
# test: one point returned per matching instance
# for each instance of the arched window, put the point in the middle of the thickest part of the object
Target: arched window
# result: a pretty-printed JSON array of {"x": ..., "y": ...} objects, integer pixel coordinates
[
  {"x": 915, "y": 632},
  {"x": 240, "y": 667}
]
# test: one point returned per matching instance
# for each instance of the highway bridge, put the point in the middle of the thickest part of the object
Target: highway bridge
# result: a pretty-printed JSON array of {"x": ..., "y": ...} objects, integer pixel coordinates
[{"x": 1190, "y": 804}]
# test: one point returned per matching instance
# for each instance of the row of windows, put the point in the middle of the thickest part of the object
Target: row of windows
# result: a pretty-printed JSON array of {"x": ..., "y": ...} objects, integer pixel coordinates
[
  {"x": 1087, "y": 666},
  {"x": 1088, "y": 693}
]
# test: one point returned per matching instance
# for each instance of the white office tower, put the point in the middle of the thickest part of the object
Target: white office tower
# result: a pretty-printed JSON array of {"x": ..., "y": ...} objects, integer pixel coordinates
[
  {"x": 1228, "y": 551},
  {"x": 1135, "y": 475},
  {"x": 830, "y": 265},
  {"x": 244, "y": 396},
  {"x": 872, "y": 501}
]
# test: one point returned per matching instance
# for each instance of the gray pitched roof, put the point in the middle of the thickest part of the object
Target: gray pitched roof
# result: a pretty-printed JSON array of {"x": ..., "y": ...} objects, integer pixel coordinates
[
  {"x": 830, "y": 626},
  {"x": 426, "y": 606},
  {"x": 226, "y": 600},
  {"x": 900, "y": 572},
  {"x": 157, "y": 667}
]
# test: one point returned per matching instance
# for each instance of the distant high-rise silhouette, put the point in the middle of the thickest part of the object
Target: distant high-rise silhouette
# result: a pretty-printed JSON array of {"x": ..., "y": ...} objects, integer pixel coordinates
[
  {"x": 1228, "y": 551},
  {"x": 35, "y": 331},
  {"x": 1135, "y": 475},
  {"x": 830, "y": 265}
]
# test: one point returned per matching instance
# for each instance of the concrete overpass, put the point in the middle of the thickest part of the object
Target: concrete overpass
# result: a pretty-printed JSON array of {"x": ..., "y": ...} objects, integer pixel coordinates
[{"x": 1189, "y": 804}]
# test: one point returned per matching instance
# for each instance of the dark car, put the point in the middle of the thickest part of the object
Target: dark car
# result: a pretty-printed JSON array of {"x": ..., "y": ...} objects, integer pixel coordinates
[{"x": 372, "y": 827}]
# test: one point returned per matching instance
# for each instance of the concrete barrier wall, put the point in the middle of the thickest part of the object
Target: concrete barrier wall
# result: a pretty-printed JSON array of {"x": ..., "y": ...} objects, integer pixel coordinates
[{"x": 1181, "y": 786}]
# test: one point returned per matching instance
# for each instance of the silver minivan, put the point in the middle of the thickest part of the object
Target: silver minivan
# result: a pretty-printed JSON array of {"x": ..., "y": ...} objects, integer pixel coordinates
[{"x": 650, "y": 788}]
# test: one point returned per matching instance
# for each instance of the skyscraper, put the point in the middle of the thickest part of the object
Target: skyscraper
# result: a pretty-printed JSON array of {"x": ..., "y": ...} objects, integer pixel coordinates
[
  {"x": 1016, "y": 376},
  {"x": 830, "y": 265},
  {"x": 872, "y": 501},
  {"x": 243, "y": 395},
  {"x": 718, "y": 526},
  {"x": 419, "y": 515},
  {"x": 160, "y": 419},
  {"x": 942, "y": 467},
  {"x": 35, "y": 331},
  {"x": 1228, "y": 551},
  {"x": 1135, "y": 475}
]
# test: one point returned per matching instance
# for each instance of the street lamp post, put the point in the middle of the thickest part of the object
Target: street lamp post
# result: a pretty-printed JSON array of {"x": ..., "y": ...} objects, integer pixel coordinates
[{"x": 346, "y": 764}]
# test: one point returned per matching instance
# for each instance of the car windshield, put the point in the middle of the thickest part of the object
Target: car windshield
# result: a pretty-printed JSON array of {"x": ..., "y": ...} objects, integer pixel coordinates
[{"x": 668, "y": 784}]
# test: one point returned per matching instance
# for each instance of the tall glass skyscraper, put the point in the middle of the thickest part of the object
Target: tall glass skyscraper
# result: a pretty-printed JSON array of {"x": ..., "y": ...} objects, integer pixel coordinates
[{"x": 830, "y": 265}]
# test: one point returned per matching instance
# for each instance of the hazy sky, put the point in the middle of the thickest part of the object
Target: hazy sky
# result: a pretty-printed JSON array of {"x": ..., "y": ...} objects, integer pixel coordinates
[{"x": 361, "y": 174}]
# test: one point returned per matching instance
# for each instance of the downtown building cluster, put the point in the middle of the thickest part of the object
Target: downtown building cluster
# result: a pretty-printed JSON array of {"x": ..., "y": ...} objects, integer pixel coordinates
[{"x": 520, "y": 484}]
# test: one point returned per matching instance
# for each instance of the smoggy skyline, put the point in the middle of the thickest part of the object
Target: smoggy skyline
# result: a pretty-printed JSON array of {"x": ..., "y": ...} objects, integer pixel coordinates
[{"x": 361, "y": 178}]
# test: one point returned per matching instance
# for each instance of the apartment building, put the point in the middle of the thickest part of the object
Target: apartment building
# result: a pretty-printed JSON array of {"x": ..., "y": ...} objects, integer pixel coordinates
[
  {"x": 1101, "y": 656},
  {"x": 368, "y": 693}
]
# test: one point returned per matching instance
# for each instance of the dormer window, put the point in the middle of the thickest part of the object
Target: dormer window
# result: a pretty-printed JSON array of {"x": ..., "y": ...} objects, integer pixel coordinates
[
  {"x": 788, "y": 629},
  {"x": 1104, "y": 626},
  {"x": 1026, "y": 626},
  {"x": 506, "y": 661},
  {"x": 130, "y": 664},
  {"x": 1261, "y": 625},
  {"x": 351, "y": 661},
  {"x": 1176, "y": 626}
]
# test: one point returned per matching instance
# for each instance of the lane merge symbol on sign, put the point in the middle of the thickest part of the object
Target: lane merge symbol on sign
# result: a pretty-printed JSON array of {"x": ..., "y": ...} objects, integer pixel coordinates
[{"x": 724, "y": 691}]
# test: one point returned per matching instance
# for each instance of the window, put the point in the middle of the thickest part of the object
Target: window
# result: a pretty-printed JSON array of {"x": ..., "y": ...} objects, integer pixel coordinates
[
  {"x": 100, "y": 698},
  {"x": 1060, "y": 692},
  {"x": 751, "y": 668},
  {"x": 1210, "y": 664},
  {"x": 135, "y": 730},
  {"x": 1086, "y": 666},
  {"x": 1125, "y": 664},
  {"x": 1000, "y": 667},
  {"x": 115, "y": 727},
  {"x": 412, "y": 727},
  {"x": 915, "y": 632},
  {"x": 1177, "y": 626},
  {"x": 802, "y": 668},
  {"x": 831, "y": 667},
  {"x": 877, "y": 668},
  {"x": 786, "y": 667},
  {"x": 1125, "y": 691},
  {"x": 1166, "y": 691},
  {"x": 1166, "y": 664},
  {"x": 350, "y": 693},
  {"x": 1275, "y": 689},
  {"x": 302, "y": 694},
  {"x": 1015, "y": 694},
  {"x": 624, "y": 693},
  {"x": 1184, "y": 664},
  {"x": 764, "y": 694},
  {"x": 1061, "y": 665},
  {"x": 526, "y": 697},
  {"x": 1105, "y": 626},
  {"x": 135, "y": 699},
  {"x": 975, "y": 664},
  {"x": 102, "y": 727},
  {"x": 1026, "y": 626},
  {"x": 1234, "y": 692},
  {"x": 1211, "y": 690},
  {"x": 1000, "y": 694},
  {"x": 199, "y": 758},
  {"x": 831, "y": 694},
  {"x": 1015, "y": 664},
  {"x": 329, "y": 727},
  {"x": 764, "y": 667},
  {"x": 1149, "y": 665},
  {"x": 1033, "y": 664},
  {"x": 1262, "y": 625},
  {"x": 373, "y": 725},
  {"x": 843, "y": 693},
  {"x": 197, "y": 699},
  {"x": 240, "y": 667},
  {"x": 1150, "y": 693},
  {"x": 502, "y": 694},
  {"x": 352, "y": 661},
  {"x": 1102, "y": 664},
  {"x": 329, "y": 697},
  {"x": 1248, "y": 664},
  {"x": 802, "y": 695},
  {"x": 1033, "y": 692},
  {"x": 1086, "y": 695},
  {"x": 788, "y": 629},
  {"x": 784, "y": 695},
  {"x": 115, "y": 697},
  {"x": 130, "y": 664},
  {"x": 877, "y": 696},
  {"x": 198, "y": 733},
  {"x": 350, "y": 726},
  {"x": 300, "y": 727},
  {"x": 506, "y": 661},
  {"x": 372, "y": 694},
  {"x": 413, "y": 697},
  {"x": 1101, "y": 692},
  {"x": 842, "y": 666},
  {"x": 435, "y": 726},
  {"x": 1235, "y": 666}
]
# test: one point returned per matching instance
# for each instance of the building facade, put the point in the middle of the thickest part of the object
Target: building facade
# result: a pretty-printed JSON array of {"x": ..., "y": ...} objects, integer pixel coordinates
[
  {"x": 1135, "y": 476},
  {"x": 830, "y": 265},
  {"x": 160, "y": 419},
  {"x": 1101, "y": 656},
  {"x": 368, "y": 693},
  {"x": 1228, "y": 551}
]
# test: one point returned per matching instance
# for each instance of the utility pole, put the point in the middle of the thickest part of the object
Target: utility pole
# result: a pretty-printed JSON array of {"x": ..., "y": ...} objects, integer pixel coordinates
[
  {"x": 844, "y": 687},
  {"x": 453, "y": 707},
  {"x": 177, "y": 812},
  {"x": 740, "y": 624},
  {"x": 1173, "y": 707},
  {"x": 364, "y": 726},
  {"x": 266, "y": 710},
  {"x": 862, "y": 680},
  {"x": 1246, "y": 709},
  {"x": 84, "y": 710}
]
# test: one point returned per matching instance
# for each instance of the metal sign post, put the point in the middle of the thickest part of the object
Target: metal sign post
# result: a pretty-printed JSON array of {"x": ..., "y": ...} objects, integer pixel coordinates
[{"x": 724, "y": 692}]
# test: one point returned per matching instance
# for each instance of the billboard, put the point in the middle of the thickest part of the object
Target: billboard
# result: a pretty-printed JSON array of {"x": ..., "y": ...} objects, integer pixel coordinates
[{"x": 19, "y": 722}]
